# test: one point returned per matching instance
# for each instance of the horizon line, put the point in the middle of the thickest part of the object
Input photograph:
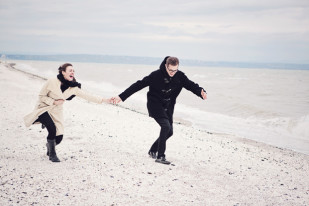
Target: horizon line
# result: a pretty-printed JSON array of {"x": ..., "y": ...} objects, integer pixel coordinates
[{"x": 143, "y": 60}]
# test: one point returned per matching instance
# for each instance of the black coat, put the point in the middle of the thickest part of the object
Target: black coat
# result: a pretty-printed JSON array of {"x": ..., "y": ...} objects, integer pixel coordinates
[{"x": 163, "y": 91}]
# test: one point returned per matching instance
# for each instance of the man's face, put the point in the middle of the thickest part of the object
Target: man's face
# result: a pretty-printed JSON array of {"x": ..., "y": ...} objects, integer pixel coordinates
[{"x": 171, "y": 70}]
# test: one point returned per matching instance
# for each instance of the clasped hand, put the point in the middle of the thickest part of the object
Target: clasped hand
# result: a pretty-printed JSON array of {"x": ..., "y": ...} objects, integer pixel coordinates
[
  {"x": 58, "y": 102},
  {"x": 112, "y": 100},
  {"x": 115, "y": 100}
]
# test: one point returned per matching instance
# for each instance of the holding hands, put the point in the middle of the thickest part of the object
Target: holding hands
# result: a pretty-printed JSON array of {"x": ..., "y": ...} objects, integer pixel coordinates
[
  {"x": 112, "y": 100},
  {"x": 116, "y": 100}
]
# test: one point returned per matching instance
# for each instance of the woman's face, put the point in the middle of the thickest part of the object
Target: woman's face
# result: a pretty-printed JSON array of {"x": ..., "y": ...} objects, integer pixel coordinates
[{"x": 69, "y": 73}]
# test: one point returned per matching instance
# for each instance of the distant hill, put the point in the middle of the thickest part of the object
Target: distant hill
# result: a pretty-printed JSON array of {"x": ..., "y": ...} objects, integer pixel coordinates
[{"x": 149, "y": 61}]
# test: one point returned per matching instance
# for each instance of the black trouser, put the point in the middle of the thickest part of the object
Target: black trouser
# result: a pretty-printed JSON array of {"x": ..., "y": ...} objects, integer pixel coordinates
[
  {"x": 166, "y": 132},
  {"x": 47, "y": 121}
]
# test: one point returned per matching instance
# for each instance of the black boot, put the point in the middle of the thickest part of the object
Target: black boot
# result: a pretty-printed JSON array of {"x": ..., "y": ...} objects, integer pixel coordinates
[
  {"x": 47, "y": 153},
  {"x": 57, "y": 140},
  {"x": 52, "y": 151}
]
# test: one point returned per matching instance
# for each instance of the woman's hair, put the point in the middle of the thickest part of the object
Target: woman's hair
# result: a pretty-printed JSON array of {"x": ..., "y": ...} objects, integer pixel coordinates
[
  {"x": 64, "y": 67},
  {"x": 172, "y": 61}
]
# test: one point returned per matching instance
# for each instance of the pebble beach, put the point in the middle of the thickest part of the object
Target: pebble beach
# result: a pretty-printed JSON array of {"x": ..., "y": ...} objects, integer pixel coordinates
[{"x": 104, "y": 159}]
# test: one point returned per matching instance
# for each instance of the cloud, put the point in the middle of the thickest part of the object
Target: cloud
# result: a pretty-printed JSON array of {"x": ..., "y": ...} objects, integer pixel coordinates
[{"x": 223, "y": 29}]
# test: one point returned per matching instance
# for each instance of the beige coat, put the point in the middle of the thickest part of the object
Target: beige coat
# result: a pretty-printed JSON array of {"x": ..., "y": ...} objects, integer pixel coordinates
[{"x": 49, "y": 93}]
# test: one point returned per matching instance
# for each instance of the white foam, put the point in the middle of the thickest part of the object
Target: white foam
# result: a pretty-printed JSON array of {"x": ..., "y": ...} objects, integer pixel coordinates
[{"x": 282, "y": 132}]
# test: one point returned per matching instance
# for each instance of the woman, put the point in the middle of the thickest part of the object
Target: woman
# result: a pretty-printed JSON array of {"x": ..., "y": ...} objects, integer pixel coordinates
[{"x": 49, "y": 110}]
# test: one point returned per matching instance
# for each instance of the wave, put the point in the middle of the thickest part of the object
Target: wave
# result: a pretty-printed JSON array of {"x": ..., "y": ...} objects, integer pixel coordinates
[{"x": 286, "y": 132}]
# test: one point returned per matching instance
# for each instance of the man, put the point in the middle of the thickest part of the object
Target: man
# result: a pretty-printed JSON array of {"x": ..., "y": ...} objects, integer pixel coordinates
[{"x": 165, "y": 84}]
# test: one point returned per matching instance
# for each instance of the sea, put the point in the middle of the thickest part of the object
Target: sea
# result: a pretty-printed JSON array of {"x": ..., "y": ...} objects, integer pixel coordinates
[{"x": 260, "y": 104}]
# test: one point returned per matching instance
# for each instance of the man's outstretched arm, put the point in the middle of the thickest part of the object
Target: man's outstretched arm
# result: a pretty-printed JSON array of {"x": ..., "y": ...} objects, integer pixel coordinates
[
  {"x": 140, "y": 84},
  {"x": 194, "y": 88}
]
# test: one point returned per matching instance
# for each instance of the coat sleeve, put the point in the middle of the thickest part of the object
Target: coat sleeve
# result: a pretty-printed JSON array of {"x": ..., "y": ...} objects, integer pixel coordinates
[
  {"x": 89, "y": 97},
  {"x": 43, "y": 95},
  {"x": 140, "y": 84},
  {"x": 193, "y": 87}
]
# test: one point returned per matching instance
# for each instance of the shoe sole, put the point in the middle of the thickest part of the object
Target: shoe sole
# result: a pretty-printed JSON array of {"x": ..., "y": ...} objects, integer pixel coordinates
[{"x": 165, "y": 163}]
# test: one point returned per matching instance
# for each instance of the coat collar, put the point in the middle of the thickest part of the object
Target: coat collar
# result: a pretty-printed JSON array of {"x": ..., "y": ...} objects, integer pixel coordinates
[{"x": 163, "y": 69}]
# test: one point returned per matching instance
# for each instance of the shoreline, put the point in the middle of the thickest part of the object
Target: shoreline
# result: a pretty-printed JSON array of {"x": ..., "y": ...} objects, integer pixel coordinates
[{"x": 104, "y": 159}]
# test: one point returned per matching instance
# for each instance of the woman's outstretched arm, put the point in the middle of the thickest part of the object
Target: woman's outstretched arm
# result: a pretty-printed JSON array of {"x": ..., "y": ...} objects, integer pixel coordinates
[{"x": 89, "y": 97}]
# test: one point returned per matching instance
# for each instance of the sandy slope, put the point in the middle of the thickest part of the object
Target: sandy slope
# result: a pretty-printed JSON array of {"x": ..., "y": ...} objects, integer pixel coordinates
[{"x": 105, "y": 162}]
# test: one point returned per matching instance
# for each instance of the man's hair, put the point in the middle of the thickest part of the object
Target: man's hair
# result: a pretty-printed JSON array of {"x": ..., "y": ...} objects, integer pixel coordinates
[{"x": 172, "y": 61}]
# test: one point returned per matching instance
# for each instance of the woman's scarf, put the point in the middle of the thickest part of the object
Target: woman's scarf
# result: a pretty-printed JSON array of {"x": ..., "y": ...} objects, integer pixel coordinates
[{"x": 66, "y": 84}]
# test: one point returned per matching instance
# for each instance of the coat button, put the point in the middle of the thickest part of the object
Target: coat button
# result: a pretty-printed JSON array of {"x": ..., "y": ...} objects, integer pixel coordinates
[{"x": 166, "y": 80}]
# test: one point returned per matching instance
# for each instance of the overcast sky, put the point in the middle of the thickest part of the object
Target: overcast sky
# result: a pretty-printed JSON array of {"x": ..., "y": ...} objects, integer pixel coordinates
[{"x": 210, "y": 30}]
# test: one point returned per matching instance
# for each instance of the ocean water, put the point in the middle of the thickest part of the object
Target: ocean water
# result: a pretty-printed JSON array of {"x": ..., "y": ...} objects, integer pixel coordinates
[{"x": 265, "y": 105}]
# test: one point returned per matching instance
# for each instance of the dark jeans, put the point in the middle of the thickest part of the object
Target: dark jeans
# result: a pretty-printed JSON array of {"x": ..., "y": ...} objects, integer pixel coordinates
[
  {"x": 166, "y": 132},
  {"x": 47, "y": 121}
]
